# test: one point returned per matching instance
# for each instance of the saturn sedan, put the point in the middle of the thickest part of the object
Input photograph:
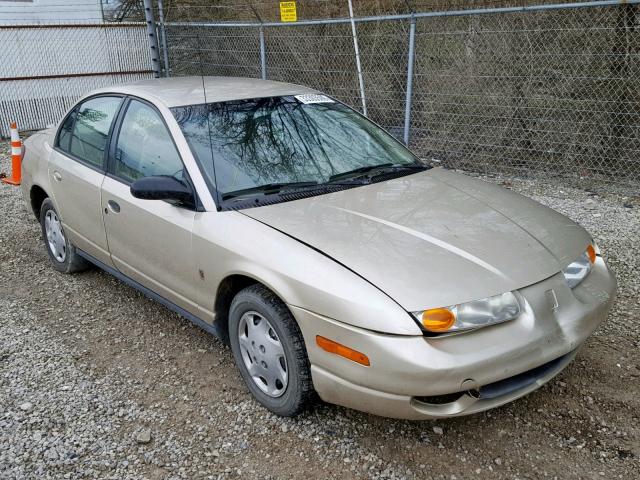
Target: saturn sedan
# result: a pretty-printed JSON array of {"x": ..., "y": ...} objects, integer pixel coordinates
[{"x": 329, "y": 256}]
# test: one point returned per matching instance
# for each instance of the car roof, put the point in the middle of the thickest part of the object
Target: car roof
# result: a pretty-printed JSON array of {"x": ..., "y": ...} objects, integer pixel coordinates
[{"x": 179, "y": 91}]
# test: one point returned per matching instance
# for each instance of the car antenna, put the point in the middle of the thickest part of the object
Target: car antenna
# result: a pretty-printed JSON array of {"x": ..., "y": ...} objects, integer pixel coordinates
[{"x": 218, "y": 198}]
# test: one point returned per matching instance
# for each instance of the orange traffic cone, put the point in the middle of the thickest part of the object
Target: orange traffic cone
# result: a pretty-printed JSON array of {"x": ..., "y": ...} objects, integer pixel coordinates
[{"x": 16, "y": 157}]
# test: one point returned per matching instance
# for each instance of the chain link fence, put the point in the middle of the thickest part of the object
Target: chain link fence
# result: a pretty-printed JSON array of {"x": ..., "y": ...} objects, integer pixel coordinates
[
  {"x": 512, "y": 87},
  {"x": 53, "y": 52},
  {"x": 491, "y": 86}
]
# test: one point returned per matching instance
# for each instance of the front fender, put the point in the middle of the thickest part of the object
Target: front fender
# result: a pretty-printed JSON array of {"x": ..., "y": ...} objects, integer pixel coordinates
[{"x": 228, "y": 243}]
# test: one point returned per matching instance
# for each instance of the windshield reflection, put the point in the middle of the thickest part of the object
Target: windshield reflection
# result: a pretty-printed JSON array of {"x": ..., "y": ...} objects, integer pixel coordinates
[{"x": 245, "y": 144}]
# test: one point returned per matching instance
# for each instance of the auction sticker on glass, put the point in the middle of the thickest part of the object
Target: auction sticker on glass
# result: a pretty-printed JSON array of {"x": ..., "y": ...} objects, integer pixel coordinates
[
  {"x": 313, "y": 98},
  {"x": 288, "y": 12}
]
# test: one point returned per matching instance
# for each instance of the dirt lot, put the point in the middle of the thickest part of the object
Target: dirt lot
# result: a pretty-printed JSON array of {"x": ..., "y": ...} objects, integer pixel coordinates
[{"x": 97, "y": 381}]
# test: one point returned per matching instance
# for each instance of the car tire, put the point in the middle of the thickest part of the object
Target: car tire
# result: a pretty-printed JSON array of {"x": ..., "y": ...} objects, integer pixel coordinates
[
  {"x": 62, "y": 254},
  {"x": 258, "y": 303}
]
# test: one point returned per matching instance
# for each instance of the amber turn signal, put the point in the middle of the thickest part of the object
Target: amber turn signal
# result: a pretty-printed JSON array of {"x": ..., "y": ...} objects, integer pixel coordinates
[
  {"x": 438, "y": 319},
  {"x": 339, "y": 349},
  {"x": 591, "y": 253}
]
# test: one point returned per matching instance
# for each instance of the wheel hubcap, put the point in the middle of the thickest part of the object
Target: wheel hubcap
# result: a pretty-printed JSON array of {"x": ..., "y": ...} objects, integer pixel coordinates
[
  {"x": 55, "y": 236},
  {"x": 263, "y": 354}
]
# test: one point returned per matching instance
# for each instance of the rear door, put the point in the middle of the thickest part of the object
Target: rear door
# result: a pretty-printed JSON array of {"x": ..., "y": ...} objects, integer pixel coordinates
[
  {"x": 149, "y": 240},
  {"x": 77, "y": 169}
]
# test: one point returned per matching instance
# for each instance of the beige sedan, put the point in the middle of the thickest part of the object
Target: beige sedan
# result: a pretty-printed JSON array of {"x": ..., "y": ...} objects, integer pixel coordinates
[{"x": 331, "y": 259}]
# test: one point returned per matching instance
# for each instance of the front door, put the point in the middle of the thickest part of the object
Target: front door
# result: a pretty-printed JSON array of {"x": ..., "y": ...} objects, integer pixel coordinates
[
  {"x": 76, "y": 172},
  {"x": 149, "y": 240}
]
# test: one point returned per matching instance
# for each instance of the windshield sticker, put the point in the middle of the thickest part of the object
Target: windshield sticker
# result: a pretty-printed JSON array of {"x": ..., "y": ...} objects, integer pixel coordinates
[{"x": 313, "y": 98}]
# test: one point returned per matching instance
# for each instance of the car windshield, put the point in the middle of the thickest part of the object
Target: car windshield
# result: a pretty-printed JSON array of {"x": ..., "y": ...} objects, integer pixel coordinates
[{"x": 263, "y": 145}]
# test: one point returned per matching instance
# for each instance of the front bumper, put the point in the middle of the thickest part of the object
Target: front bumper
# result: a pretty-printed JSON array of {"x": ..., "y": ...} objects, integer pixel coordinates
[{"x": 528, "y": 351}]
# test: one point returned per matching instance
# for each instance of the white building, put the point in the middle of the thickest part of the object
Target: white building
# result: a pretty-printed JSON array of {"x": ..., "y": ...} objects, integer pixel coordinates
[
  {"x": 50, "y": 11},
  {"x": 54, "y": 51}
]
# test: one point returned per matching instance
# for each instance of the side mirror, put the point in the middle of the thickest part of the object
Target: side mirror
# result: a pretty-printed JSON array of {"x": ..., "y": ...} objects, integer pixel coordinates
[{"x": 163, "y": 187}]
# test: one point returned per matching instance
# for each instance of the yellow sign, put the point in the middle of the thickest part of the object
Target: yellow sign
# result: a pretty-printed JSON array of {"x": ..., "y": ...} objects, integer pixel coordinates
[{"x": 288, "y": 12}]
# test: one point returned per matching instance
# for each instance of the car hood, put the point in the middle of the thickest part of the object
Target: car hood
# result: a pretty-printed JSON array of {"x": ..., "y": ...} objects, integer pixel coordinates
[{"x": 434, "y": 238}]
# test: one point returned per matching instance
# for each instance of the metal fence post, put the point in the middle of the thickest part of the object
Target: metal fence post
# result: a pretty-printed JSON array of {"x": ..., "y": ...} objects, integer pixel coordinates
[
  {"x": 163, "y": 39},
  {"x": 410, "y": 62},
  {"x": 153, "y": 39},
  {"x": 263, "y": 55},
  {"x": 358, "y": 65}
]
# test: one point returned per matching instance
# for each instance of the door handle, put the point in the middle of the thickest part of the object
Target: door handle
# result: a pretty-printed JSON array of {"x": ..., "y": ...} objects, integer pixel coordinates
[
  {"x": 113, "y": 206},
  {"x": 56, "y": 176}
]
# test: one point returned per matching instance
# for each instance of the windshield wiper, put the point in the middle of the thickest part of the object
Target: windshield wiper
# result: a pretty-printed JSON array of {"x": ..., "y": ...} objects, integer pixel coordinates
[
  {"x": 267, "y": 189},
  {"x": 358, "y": 176},
  {"x": 375, "y": 170},
  {"x": 399, "y": 167},
  {"x": 357, "y": 171}
]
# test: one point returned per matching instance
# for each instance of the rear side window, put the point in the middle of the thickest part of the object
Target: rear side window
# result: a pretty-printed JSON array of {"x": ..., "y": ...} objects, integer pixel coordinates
[
  {"x": 64, "y": 136},
  {"x": 145, "y": 147},
  {"x": 91, "y": 130}
]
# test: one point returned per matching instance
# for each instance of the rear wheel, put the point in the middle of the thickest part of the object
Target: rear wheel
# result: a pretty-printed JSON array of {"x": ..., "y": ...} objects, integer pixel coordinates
[
  {"x": 269, "y": 351},
  {"x": 62, "y": 253}
]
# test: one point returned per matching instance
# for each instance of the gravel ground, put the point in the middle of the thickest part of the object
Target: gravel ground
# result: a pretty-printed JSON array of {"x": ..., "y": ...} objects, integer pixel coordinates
[{"x": 97, "y": 381}]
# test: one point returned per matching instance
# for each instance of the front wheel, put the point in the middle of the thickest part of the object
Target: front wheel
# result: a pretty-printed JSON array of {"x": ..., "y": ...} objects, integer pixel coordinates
[
  {"x": 269, "y": 351},
  {"x": 62, "y": 253}
]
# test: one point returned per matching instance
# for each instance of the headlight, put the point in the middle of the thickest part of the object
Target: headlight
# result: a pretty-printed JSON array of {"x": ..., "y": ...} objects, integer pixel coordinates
[
  {"x": 578, "y": 270},
  {"x": 470, "y": 315}
]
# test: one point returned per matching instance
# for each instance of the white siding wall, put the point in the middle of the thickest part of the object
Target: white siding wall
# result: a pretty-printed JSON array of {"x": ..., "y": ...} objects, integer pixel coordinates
[
  {"x": 54, "y": 51},
  {"x": 57, "y": 50},
  {"x": 46, "y": 65},
  {"x": 50, "y": 11}
]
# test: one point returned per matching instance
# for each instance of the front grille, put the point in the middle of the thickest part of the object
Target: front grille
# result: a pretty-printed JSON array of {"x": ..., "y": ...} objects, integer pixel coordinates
[
  {"x": 440, "y": 399},
  {"x": 520, "y": 381},
  {"x": 501, "y": 387}
]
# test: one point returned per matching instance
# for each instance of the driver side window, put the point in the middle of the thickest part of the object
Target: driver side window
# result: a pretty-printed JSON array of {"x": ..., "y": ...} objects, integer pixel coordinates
[{"x": 144, "y": 147}]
